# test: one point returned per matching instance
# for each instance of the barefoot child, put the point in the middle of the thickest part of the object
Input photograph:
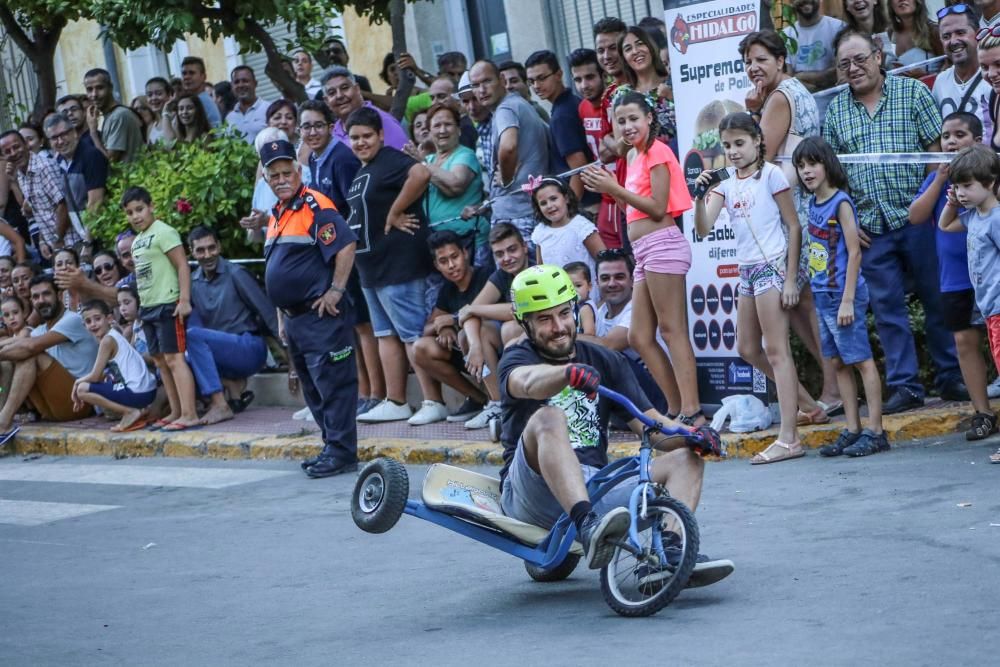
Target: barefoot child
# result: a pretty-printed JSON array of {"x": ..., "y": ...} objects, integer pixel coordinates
[
  {"x": 163, "y": 280},
  {"x": 958, "y": 301},
  {"x": 758, "y": 200},
  {"x": 120, "y": 381},
  {"x": 655, "y": 194},
  {"x": 586, "y": 320},
  {"x": 840, "y": 294},
  {"x": 974, "y": 174}
]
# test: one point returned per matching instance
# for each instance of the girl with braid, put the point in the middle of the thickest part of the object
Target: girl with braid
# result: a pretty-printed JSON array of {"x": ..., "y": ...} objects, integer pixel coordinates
[
  {"x": 655, "y": 195},
  {"x": 768, "y": 239}
]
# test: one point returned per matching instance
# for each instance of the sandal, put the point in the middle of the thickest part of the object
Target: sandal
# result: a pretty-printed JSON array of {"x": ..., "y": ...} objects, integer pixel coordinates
[
  {"x": 691, "y": 420},
  {"x": 984, "y": 424},
  {"x": 793, "y": 450},
  {"x": 158, "y": 425},
  {"x": 833, "y": 408},
  {"x": 814, "y": 418},
  {"x": 238, "y": 405}
]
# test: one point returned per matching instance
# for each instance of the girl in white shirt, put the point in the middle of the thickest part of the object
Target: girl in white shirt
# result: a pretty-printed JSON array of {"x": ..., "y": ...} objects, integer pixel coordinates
[
  {"x": 120, "y": 381},
  {"x": 563, "y": 236},
  {"x": 758, "y": 200}
]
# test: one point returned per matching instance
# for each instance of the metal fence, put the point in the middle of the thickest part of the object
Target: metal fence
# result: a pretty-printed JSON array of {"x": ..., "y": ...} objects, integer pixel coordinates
[
  {"x": 17, "y": 83},
  {"x": 573, "y": 20}
]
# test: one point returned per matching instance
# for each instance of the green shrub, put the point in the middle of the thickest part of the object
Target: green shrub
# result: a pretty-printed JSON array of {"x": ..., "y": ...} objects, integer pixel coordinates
[{"x": 202, "y": 183}]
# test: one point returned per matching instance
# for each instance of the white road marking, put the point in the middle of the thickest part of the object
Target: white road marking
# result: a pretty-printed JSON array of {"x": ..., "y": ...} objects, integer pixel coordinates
[
  {"x": 35, "y": 513},
  {"x": 130, "y": 475}
]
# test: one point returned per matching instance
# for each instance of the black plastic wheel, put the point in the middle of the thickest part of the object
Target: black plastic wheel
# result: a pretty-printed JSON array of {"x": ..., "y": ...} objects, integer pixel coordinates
[
  {"x": 557, "y": 573},
  {"x": 380, "y": 495},
  {"x": 625, "y": 581}
]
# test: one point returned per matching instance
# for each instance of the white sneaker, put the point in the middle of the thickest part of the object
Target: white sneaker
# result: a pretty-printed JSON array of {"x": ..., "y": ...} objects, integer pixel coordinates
[
  {"x": 387, "y": 411},
  {"x": 429, "y": 412},
  {"x": 993, "y": 390},
  {"x": 305, "y": 414},
  {"x": 482, "y": 420}
]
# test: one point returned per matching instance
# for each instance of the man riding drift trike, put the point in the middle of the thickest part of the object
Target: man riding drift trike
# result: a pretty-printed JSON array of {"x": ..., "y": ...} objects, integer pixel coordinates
[{"x": 630, "y": 519}]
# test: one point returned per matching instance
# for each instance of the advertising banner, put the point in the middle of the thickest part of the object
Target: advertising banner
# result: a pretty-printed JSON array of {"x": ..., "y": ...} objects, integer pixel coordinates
[{"x": 709, "y": 83}]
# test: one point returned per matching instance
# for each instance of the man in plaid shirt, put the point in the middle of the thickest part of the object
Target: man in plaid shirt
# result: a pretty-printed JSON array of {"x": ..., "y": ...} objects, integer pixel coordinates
[
  {"x": 880, "y": 114},
  {"x": 35, "y": 182}
]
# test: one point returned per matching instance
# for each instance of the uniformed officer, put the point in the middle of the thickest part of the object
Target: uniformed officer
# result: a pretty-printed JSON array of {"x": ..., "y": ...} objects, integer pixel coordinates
[{"x": 309, "y": 251}]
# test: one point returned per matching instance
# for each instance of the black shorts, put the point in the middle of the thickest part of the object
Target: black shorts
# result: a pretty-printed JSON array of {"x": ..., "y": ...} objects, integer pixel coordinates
[
  {"x": 361, "y": 314},
  {"x": 457, "y": 359},
  {"x": 165, "y": 333},
  {"x": 959, "y": 311}
]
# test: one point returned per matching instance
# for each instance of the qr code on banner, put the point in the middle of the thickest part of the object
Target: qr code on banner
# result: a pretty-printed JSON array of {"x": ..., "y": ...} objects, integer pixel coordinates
[{"x": 759, "y": 382}]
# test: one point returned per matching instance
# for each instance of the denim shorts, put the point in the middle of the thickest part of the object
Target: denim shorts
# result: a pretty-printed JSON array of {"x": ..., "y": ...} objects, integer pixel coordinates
[
  {"x": 526, "y": 497},
  {"x": 398, "y": 310},
  {"x": 849, "y": 343}
]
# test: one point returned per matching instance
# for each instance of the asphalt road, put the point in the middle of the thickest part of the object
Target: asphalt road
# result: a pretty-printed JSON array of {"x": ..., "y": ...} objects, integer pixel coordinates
[{"x": 182, "y": 562}]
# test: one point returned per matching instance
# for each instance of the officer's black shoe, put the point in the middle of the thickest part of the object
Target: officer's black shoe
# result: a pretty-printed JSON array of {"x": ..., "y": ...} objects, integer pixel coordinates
[
  {"x": 311, "y": 461},
  {"x": 329, "y": 466}
]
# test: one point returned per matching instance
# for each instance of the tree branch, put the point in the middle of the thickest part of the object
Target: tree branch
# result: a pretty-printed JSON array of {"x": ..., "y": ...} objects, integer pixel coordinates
[{"x": 15, "y": 31}]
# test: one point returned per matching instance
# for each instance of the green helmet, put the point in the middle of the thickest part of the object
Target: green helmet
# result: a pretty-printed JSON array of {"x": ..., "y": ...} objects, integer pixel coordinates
[{"x": 540, "y": 287}]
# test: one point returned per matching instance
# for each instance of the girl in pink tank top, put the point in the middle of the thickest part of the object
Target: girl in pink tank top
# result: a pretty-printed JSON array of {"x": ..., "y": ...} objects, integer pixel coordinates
[{"x": 653, "y": 195}]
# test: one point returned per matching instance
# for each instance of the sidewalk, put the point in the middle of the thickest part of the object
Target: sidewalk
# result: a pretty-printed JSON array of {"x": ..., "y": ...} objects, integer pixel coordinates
[{"x": 270, "y": 433}]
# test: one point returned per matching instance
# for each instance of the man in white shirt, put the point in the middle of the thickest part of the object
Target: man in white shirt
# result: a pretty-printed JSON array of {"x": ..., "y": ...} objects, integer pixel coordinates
[
  {"x": 249, "y": 116},
  {"x": 813, "y": 63},
  {"x": 302, "y": 63},
  {"x": 962, "y": 87},
  {"x": 614, "y": 317}
]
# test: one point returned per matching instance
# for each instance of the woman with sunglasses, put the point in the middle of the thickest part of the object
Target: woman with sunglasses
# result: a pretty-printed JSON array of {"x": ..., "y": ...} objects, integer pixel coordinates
[
  {"x": 915, "y": 35},
  {"x": 107, "y": 270},
  {"x": 988, "y": 46}
]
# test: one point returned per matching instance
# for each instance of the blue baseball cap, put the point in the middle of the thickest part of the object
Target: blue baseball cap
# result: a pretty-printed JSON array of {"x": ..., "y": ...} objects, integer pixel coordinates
[{"x": 273, "y": 151}]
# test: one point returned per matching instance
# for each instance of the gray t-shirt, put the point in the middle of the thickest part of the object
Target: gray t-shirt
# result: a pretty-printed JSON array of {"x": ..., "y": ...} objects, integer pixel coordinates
[
  {"x": 984, "y": 258},
  {"x": 532, "y": 155},
  {"x": 79, "y": 352},
  {"x": 122, "y": 131}
]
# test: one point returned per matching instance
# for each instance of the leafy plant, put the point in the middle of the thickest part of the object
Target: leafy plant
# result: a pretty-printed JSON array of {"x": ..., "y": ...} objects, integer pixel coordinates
[{"x": 201, "y": 183}]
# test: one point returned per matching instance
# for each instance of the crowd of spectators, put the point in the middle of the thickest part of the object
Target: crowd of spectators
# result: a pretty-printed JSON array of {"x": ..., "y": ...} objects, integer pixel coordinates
[{"x": 452, "y": 193}]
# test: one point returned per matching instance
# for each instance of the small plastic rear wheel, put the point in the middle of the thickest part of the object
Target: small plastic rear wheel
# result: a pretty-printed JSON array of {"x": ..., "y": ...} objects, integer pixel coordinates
[
  {"x": 380, "y": 495},
  {"x": 634, "y": 587},
  {"x": 557, "y": 573}
]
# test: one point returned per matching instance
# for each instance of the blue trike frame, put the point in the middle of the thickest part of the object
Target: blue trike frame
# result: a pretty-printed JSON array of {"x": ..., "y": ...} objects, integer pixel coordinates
[{"x": 551, "y": 551}]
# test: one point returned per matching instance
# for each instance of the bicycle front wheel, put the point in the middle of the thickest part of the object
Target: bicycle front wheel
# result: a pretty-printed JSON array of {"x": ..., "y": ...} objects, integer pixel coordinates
[{"x": 643, "y": 585}]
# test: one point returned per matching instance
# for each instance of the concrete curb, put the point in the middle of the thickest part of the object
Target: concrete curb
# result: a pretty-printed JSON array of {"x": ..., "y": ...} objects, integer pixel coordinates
[{"x": 54, "y": 440}]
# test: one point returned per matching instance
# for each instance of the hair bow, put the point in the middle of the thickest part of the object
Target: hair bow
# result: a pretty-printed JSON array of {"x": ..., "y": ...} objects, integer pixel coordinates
[{"x": 533, "y": 183}]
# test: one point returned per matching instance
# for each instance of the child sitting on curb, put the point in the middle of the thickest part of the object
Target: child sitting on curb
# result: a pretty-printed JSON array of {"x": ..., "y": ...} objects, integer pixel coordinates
[{"x": 120, "y": 381}]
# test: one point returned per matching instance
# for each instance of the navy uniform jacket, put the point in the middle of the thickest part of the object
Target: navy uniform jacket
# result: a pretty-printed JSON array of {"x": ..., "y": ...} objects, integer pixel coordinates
[{"x": 302, "y": 240}]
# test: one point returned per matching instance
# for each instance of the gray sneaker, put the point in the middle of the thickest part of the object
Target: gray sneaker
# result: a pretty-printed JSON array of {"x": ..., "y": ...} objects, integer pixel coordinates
[
  {"x": 597, "y": 536},
  {"x": 469, "y": 409}
]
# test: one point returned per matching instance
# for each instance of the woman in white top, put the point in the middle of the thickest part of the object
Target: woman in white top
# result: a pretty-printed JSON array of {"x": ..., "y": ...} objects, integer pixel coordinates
[{"x": 120, "y": 381}]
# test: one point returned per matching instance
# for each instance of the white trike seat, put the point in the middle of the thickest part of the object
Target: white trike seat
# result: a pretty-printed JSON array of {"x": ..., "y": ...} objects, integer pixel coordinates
[{"x": 476, "y": 498}]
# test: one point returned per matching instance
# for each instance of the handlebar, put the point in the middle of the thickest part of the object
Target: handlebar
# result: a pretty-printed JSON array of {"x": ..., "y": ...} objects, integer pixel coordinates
[{"x": 651, "y": 423}]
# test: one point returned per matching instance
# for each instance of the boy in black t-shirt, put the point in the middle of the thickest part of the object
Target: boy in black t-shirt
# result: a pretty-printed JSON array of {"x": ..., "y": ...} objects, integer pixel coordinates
[
  {"x": 437, "y": 357},
  {"x": 488, "y": 322},
  {"x": 388, "y": 217},
  {"x": 554, "y": 426}
]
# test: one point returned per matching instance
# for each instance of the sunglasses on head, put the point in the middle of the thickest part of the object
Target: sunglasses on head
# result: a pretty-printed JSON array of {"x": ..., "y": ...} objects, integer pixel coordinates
[
  {"x": 988, "y": 32},
  {"x": 959, "y": 8}
]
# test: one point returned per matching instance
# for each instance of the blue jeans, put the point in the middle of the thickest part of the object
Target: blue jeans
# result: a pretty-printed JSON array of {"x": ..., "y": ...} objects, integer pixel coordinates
[
  {"x": 896, "y": 259},
  {"x": 212, "y": 354}
]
